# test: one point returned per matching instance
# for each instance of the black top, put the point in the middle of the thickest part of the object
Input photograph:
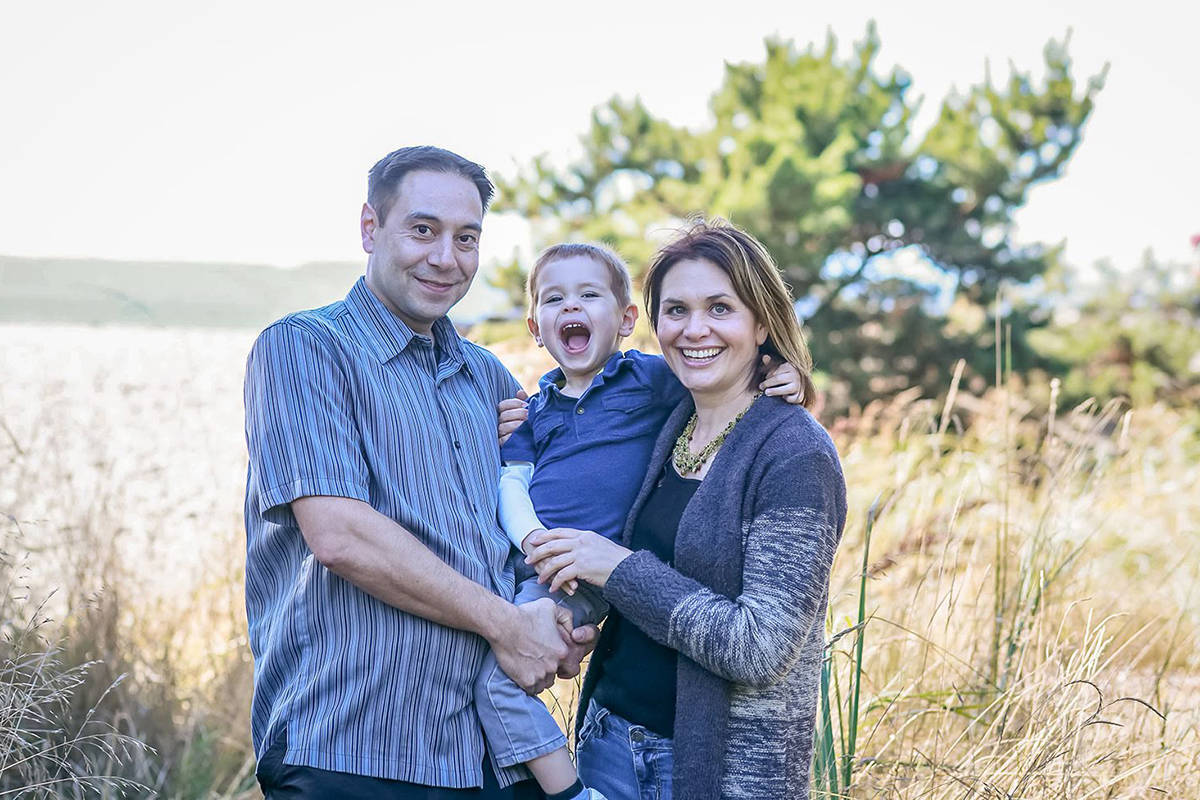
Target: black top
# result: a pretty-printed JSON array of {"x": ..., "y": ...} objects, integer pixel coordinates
[{"x": 638, "y": 677}]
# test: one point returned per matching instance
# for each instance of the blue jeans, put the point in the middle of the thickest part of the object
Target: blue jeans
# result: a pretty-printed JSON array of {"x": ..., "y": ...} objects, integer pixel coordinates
[{"x": 622, "y": 760}]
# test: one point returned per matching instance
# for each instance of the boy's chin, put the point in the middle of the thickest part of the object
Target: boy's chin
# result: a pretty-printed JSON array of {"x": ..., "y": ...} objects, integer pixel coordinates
[{"x": 587, "y": 362}]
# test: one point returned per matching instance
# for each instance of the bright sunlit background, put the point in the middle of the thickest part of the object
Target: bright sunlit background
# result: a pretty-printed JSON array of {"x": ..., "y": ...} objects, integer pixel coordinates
[
  {"x": 1020, "y": 432},
  {"x": 235, "y": 131}
]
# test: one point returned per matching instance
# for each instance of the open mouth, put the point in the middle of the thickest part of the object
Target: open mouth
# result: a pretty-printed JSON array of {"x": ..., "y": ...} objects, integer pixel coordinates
[
  {"x": 575, "y": 337},
  {"x": 701, "y": 355}
]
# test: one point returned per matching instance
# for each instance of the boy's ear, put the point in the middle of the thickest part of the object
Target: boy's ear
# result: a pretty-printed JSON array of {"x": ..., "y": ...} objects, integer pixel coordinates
[
  {"x": 533, "y": 330},
  {"x": 628, "y": 320}
]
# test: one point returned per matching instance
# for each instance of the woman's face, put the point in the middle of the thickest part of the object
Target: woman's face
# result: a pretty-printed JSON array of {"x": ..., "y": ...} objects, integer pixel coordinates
[{"x": 708, "y": 336}]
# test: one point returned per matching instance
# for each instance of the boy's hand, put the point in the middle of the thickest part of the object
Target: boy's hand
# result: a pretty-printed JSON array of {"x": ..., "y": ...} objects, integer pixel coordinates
[
  {"x": 781, "y": 381},
  {"x": 580, "y": 642},
  {"x": 513, "y": 413}
]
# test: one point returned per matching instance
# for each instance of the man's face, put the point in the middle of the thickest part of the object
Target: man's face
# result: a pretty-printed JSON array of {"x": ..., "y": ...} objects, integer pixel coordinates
[{"x": 422, "y": 260}]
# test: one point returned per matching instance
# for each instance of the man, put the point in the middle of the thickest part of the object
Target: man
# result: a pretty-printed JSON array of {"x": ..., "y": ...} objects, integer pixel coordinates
[{"x": 376, "y": 573}]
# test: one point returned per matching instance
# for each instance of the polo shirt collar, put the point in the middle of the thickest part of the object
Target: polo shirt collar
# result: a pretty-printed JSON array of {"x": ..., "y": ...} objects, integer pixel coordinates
[
  {"x": 387, "y": 335},
  {"x": 555, "y": 377}
]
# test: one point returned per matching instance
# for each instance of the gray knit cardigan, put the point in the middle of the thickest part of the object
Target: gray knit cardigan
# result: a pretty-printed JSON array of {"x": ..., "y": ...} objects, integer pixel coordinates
[{"x": 744, "y": 603}]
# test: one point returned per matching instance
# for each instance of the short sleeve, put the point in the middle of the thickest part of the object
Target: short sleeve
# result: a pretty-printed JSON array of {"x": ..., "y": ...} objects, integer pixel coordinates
[
  {"x": 661, "y": 380},
  {"x": 301, "y": 433},
  {"x": 520, "y": 446}
]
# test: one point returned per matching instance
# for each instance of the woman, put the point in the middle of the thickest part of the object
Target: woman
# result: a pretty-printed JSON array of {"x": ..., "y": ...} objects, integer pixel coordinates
[{"x": 705, "y": 678}]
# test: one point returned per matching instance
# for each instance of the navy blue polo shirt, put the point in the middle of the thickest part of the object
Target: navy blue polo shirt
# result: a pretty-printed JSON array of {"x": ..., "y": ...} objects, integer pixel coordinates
[{"x": 590, "y": 452}]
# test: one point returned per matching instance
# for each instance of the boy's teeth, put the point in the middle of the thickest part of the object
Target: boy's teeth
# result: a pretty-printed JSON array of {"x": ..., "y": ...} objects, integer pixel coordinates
[{"x": 709, "y": 353}]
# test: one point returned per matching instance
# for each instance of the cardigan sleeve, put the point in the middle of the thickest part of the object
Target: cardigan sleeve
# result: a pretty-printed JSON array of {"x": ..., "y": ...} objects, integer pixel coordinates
[{"x": 754, "y": 638}]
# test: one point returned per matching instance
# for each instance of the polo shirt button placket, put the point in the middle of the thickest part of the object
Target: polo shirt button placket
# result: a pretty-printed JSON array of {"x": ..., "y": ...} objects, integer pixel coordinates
[{"x": 579, "y": 410}]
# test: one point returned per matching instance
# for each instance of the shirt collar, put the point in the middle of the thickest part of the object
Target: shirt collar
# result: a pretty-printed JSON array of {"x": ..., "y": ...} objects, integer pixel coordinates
[
  {"x": 387, "y": 335},
  {"x": 555, "y": 377}
]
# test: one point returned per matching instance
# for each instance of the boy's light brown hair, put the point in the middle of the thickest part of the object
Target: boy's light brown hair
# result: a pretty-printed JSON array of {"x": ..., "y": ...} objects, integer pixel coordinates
[{"x": 618, "y": 272}]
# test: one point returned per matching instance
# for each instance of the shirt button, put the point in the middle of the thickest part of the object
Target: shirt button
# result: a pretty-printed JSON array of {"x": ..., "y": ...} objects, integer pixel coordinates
[
  {"x": 636, "y": 735},
  {"x": 579, "y": 410},
  {"x": 457, "y": 444}
]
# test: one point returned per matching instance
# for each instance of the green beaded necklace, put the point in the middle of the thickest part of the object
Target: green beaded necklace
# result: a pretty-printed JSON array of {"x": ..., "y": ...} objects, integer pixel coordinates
[{"x": 685, "y": 462}]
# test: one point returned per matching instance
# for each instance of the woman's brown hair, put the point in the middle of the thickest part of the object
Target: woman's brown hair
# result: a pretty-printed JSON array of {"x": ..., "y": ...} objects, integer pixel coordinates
[{"x": 755, "y": 278}]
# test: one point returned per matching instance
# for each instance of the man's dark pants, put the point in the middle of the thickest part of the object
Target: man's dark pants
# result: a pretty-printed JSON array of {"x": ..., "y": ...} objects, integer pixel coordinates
[{"x": 281, "y": 781}]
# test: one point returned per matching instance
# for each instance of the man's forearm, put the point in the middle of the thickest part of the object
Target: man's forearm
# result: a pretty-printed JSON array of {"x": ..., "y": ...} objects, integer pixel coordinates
[{"x": 379, "y": 556}]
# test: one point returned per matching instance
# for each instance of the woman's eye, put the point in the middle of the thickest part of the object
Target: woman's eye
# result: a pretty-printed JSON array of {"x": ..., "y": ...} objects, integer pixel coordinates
[
  {"x": 674, "y": 310},
  {"x": 721, "y": 308}
]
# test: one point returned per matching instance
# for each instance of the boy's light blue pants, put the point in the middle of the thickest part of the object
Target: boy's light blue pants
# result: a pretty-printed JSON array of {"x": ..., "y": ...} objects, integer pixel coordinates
[{"x": 519, "y": 727}]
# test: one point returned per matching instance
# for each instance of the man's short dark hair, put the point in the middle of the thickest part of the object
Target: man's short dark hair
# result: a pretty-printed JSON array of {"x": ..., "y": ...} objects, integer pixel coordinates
[{"x": 384, "y": 179}]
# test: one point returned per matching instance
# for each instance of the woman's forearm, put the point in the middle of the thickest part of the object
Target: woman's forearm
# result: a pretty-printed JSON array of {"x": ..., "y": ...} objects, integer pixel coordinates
[{"x": 755, "y": 637}]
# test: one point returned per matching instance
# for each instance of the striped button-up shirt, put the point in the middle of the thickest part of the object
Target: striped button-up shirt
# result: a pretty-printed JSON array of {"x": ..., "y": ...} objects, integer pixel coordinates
[{"x": 347, "y": 401}]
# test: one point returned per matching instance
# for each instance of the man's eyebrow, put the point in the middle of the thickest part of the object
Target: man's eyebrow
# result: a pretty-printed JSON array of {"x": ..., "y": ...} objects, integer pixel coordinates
[{"x": 431, "y": 217}]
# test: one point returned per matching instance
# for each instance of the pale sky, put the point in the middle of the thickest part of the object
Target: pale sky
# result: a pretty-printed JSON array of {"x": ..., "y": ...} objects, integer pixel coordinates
[{"x": 242, "y": 131}]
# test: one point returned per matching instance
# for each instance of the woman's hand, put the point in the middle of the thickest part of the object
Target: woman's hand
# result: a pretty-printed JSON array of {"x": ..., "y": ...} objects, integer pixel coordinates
[
  {"x": 564, "y": 554},
  {"x": 512, "y": 414},
  {"x": 782, "y": 381}
]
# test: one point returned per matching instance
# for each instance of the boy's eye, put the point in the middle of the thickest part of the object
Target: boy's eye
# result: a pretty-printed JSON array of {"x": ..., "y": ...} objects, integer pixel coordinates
[
  {"x": 591, "y": 294},
  {"x": 553, "y": 298}
]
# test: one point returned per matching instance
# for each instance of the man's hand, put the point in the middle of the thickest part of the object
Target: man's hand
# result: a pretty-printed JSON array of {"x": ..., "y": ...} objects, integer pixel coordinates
[
  {"x": 512, "y": 414},
  {"x": 529, "y": 648},
  {"x": 580, "y": 642}
]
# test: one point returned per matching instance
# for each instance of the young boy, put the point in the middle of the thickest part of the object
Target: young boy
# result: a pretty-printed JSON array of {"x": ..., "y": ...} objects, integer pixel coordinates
[{"x": 579, "y": 460}]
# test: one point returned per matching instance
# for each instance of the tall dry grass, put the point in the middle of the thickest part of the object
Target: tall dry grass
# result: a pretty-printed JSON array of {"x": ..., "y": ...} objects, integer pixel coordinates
[
  {"x": 1029, "y": 612},
  {"x": 1029, "y": 615}
]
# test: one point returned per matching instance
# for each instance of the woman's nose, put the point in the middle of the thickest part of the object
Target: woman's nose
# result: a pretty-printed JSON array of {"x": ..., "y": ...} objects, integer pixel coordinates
[{"x": 695, "y": 327}]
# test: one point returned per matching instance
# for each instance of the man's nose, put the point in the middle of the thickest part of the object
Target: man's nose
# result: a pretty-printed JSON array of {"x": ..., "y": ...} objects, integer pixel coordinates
[{"x": 441, "y": 254}]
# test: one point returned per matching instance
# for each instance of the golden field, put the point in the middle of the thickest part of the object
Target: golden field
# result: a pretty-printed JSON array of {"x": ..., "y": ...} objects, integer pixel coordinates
[{"x": 1030, "y": 611}]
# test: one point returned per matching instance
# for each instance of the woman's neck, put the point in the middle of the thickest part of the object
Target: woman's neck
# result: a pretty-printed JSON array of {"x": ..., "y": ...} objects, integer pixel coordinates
[{"x": 713, "y": 412}]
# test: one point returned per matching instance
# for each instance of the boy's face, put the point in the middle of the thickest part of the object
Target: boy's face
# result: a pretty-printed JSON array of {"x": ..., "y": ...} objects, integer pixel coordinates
[{"x": 577, "y": 316}]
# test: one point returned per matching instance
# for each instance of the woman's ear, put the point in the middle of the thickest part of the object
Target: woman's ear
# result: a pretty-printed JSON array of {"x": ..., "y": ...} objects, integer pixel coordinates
[{"x": 760, "y": 334}]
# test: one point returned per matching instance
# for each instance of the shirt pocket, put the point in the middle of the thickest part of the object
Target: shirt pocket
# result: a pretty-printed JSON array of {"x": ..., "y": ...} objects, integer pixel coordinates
[
  {"x": 546, "y": 425},
  {"x": 633, "y": 413}
]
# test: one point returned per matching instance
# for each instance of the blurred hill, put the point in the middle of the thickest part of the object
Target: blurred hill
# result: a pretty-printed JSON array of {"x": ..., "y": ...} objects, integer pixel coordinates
[{"x": 166, "y": 293}]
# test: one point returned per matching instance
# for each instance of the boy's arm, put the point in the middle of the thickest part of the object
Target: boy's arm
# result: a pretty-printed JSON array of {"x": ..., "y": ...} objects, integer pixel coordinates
[{"x": 517, "y": 515}]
